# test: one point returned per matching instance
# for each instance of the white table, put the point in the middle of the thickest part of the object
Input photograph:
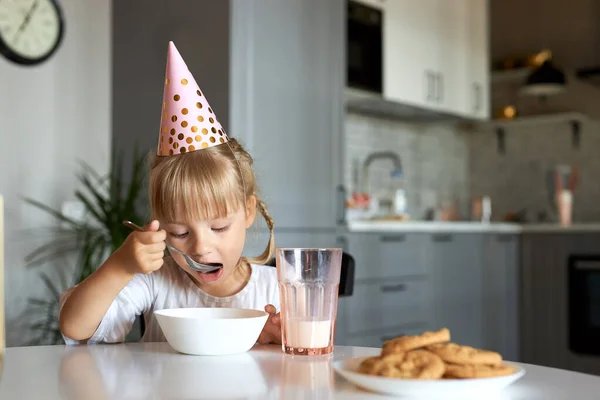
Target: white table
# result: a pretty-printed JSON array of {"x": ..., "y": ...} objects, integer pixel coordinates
[{"x": 155, "y": 371}]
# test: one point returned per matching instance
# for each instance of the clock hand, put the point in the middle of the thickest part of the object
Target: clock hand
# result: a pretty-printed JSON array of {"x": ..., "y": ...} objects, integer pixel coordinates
[{"x": 26, "y": 20}]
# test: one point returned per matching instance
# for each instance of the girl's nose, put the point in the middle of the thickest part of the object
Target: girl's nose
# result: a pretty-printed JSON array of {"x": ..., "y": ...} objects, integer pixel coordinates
[{"x": 202, "y": 245}]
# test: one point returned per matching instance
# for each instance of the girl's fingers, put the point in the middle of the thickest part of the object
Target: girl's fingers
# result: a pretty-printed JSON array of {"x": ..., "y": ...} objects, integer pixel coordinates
[
  {"x": 156, "y": 264},
  {"x": 156, "y": 248},
  {"x": 270, "y": 308},
  {"x": 276, "y": 319}
]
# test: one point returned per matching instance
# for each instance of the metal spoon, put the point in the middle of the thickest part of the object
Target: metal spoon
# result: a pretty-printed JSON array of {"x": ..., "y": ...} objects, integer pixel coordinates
[{"x": 191, "y": 263}]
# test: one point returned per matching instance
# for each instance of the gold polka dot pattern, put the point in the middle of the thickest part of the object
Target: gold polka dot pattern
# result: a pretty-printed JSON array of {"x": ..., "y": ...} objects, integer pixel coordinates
[{"x": 183, "y": 102}]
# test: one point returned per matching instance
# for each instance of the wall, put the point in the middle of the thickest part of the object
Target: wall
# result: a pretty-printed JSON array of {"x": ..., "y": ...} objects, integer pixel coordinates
[
  {"x": 522, "y": 27},
  {"x": 434, "y": 159},
  {"x": 142, "y": 30},
  {"x": 51, "y": 116},
  {"x": 516, "y": 180}
]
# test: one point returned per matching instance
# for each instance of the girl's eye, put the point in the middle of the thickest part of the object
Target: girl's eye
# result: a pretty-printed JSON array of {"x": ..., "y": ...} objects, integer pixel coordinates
[
  {"x": 223, "y": 229},
  {"x": 179, "y": 235}
]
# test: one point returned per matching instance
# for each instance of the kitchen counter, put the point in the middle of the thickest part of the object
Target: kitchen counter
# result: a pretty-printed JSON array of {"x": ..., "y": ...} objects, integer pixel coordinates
[
  {"x": 154, "y": 370},
  {"x": 466, "y": 226}
]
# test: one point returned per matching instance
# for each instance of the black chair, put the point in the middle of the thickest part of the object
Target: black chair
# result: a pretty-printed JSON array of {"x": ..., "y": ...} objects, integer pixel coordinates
[{"x": 346, "y": 275}]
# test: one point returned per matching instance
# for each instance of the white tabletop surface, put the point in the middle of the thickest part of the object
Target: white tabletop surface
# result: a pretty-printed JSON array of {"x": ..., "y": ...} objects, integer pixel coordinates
[{"x": 155, "y": 371}]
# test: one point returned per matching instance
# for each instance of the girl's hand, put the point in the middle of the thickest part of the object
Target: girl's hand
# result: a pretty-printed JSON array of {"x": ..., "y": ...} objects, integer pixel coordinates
[
  {"x": 271, "y": 333},
  {"x": 142, "y": 252}
]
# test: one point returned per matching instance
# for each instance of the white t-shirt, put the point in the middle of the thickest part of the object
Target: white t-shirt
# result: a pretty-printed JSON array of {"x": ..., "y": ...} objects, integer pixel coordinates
[{"x": 171, "y": 287}]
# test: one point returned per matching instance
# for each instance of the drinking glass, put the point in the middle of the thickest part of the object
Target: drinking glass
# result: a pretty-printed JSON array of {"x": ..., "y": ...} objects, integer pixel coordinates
[{"x": 309, "y": 281}]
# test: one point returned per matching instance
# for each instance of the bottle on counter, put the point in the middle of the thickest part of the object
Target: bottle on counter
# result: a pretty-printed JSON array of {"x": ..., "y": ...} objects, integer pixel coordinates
[{"x": 400, "y": 203}]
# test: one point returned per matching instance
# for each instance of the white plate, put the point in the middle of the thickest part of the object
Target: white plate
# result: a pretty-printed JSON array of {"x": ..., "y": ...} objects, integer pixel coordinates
[{"x": 444, "y": 388}]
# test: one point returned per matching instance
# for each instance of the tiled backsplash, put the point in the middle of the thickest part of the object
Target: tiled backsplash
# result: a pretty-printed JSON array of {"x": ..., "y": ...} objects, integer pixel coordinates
[
  {"x": 441, "y": 162},
  {"x": 434, "y": 159}
]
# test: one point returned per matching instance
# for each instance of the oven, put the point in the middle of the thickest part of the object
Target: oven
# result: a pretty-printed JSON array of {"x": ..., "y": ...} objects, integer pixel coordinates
[
  {"x": 364, "y": 53},
  {"x": 584, "y": 304}
]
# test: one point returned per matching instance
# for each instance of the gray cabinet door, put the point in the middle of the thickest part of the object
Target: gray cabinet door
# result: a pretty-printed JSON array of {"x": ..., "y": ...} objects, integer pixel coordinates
[
  {"x": 501, "y": 294},
  {"x": 376, "y": 338},
  {"x": 388, "y": 255},
  {"x": 385, "y": 304},
  {"x": 457, "y": 289},
  {"x": 287, "y": 67}
]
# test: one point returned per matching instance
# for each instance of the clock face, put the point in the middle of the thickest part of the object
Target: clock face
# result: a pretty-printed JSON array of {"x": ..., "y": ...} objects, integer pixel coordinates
[{"x": 30, "y": 30}]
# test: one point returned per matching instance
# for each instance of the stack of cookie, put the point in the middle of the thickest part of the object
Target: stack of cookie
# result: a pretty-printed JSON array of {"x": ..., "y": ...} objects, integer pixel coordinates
[{"x": 431, "y": 355}]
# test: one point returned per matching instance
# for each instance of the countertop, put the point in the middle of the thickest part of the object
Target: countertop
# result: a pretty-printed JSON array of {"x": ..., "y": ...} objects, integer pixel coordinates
[
  {"x": 154, "y": 370},
  {"x": 465, "y": 226}
]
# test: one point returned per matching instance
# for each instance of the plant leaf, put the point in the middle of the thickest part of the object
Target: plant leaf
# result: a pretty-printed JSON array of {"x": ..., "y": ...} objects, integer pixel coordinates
[
  {"x": 49, "y": 252},
  {"x": 56, "y": 214},
  {"x": 99, "y": 197}
]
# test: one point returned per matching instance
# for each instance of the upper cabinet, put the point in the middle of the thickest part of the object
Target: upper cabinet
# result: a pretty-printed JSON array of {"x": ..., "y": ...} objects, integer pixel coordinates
[
  {"x": 478, "y": 73},
  {"x": 435, "y": 55}
]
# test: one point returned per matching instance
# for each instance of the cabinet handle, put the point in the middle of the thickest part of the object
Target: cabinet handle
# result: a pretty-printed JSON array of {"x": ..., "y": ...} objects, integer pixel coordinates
[
  {"x": 341, "y": 217},
  {"x": 427, "y": 85},
  {"x": 440, "y": 88},
  {"x": 392, "y": 239},
  {"x": 400, "y": 287},
  {"x": 476, "y": 96},
  {"x": 439, "y": 238},
  {"x": 504, "y": 238},
  {"x": 386, "y": 338}
]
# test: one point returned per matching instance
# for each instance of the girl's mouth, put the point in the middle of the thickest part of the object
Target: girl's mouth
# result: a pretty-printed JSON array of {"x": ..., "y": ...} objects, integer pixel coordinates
[{"x": 213, "y": 275}]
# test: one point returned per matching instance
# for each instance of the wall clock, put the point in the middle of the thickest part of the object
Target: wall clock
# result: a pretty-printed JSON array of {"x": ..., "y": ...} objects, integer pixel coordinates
[{"x": 30, "y": 30}]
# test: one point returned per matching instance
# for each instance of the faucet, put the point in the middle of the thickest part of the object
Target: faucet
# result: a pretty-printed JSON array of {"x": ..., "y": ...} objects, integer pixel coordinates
[{"x": 395, "y": 158}]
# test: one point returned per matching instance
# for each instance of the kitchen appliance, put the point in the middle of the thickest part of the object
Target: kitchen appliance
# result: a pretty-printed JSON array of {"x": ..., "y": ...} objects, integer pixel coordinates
[
  {"x": 584, "y": 304},
  {"x": 559, "y": 299},
  {"x": 364, "y": 47}
]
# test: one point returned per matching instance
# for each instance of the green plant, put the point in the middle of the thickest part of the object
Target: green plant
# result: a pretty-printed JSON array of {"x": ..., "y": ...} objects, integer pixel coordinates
[{"x": 108, "y": 200}]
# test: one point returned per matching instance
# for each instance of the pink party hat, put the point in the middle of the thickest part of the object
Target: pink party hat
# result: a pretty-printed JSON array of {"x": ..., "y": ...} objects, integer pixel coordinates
[{"x": 187, "y": 122}]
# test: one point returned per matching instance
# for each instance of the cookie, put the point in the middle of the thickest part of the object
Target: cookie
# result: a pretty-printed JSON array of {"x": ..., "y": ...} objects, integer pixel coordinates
[
  {"x": 416, "y": 364},
  {"x": 406, "y": 343},
  {"x": 457, "y": 354},
  {"x": 472, "y": 371},
  {"x": 368, "y": 365}
]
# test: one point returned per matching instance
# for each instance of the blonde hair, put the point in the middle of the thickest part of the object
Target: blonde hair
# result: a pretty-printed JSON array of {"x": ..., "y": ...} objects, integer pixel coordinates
[{"x": 205, "y": 184}]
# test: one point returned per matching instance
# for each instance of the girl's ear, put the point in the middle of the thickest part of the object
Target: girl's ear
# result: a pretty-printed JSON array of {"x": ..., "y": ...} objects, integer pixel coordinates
[{"x": 250, "y": 210}]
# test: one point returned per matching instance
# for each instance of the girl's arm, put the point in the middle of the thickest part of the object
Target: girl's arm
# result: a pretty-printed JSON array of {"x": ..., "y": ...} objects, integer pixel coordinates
[{"x": 85, "y": 306}]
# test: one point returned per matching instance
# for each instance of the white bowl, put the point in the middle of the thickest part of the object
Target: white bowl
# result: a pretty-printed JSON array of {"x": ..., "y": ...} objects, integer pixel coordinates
[{"x": 211, "y": 331}]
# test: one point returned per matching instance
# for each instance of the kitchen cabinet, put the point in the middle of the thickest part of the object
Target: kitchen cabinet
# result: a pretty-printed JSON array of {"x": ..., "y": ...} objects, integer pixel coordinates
[
  {"x": 478, "y": 60},
  {"x": 387, "y": 255},
  {"x": 410, "y": 279},
  {"x": 410, "y": 62},
  {"x": 392, "y": 290},
  {"x": 376, "y": 338},
  {"x": 386, "y": 304},
  {"x": 456, "y": 273},
  {"x": 287, "y": 68},
  {"x": 501, "y": 294},
  {"x": 435, "y": 55}
]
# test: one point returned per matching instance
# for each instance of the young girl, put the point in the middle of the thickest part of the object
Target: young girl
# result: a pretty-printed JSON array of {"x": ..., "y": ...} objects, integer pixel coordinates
[{"x": 202, "y": 200}]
